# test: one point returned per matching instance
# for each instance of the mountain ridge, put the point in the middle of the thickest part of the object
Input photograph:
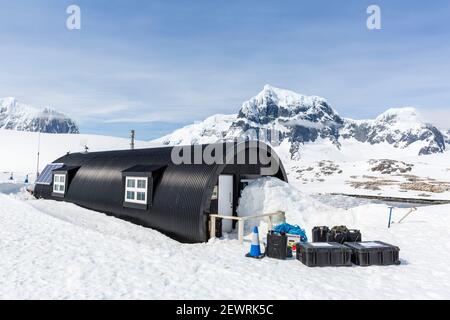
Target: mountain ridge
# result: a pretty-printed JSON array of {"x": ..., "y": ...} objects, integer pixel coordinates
[
  {"x": 301, "y": 119},
  {"x": 21, "y": 117}
]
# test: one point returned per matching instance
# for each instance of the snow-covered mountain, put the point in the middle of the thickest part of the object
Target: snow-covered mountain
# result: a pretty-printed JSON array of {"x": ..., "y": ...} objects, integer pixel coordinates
[
  {"x": 298, "y": 119},
  {"x": 212, "y": 129},
  {"x": 21, "y": 117},
  {"x": 288, "y": 115},
  {"x": 399, "y": 127},
  {"x": 447, "y": 137}
]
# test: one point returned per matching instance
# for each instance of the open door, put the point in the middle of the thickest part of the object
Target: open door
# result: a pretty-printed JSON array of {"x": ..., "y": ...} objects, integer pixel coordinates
[{"x": 225, "y": 201}]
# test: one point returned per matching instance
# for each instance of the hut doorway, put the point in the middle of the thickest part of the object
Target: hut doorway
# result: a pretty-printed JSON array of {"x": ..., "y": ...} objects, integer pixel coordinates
[{"x": 225, "y": 200}]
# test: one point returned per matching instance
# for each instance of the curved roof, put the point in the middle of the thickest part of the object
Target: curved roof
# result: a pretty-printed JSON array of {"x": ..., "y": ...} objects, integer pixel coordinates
[{"x": 181, "y": 192}]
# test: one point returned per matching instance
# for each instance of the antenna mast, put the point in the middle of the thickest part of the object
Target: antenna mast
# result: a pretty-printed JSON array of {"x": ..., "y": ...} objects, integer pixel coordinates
[
  {"x": 132, "y": 139},
  {"x": 38, "y": 154}
]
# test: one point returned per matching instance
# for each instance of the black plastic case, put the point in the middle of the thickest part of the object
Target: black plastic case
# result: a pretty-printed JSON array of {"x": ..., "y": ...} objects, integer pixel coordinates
[
  {"x": 321, "y": 254},
  {"x": 277, "y": 246},
  {"x": 319, "y": 234},
  {"x": 354, "y": 235},
  {"x": 374, "y": 253},
  {"x": 339, "y": 237},
  {"x": 325, "y": 234}
]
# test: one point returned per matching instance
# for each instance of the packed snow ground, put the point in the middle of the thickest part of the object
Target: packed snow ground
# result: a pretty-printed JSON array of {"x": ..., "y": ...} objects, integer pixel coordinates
[{"x": 58, "y": 250}]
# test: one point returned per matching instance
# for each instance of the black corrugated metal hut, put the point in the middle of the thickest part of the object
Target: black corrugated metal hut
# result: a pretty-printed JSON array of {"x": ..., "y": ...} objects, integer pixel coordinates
[{"x": 146, "y": 187}]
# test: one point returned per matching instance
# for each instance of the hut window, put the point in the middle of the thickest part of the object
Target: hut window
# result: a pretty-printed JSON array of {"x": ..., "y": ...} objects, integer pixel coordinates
[
  {"x": 59, "y": 183},
  {"x": 215, "y": 193},
  {"x": 136, "y": 190}
]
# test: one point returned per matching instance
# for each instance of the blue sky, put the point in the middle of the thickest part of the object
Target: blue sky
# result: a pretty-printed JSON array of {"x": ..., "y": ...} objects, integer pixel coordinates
[{"x": 157, "y": 65}]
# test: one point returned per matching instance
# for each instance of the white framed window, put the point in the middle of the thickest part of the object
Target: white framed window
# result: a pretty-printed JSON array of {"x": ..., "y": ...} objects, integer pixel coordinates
[
  {"x": 59, "y": 183},
  {"x": 136, "y": 189}
]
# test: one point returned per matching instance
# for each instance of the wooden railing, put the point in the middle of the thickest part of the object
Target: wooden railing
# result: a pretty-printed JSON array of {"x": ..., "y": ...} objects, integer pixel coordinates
[{"x": 241, "y": 222}]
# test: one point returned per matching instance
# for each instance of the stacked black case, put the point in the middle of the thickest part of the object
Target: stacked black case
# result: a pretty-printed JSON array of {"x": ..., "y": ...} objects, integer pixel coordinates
[
  {"x": 324, "y": 254},
  {"x": 319, "y": 234},
  {"x": 374, "y": 253},
  {"x": 324, "y": 234}
]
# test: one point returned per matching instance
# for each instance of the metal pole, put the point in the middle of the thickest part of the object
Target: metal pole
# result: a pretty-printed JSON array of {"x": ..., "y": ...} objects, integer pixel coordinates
[
  {"x": 38, "y": 154},
  {"x": 241, "y": 231},
  {"x": 390, "y": 216},
  {"x": 406, "y": 215},
  {"x": 132, "y": 139}
]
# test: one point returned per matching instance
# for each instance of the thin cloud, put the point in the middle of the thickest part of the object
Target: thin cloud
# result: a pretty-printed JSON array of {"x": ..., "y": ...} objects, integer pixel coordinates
[
  {"x": 146, "y": 118},
  {"x": 439, "y": 117},
  {"x": 164, "y": 71}
]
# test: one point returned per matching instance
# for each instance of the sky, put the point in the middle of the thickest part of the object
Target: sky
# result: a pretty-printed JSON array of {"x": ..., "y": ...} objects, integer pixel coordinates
[{"x": 155, "y": 66}]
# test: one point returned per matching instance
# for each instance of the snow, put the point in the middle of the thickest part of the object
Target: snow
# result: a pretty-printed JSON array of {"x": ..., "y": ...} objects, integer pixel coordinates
[
  {"x": 353, "y": 159},
  {"x": 212, "y": 129},
  {"x": 271, "y": 195},
  {"x": 56, "y": 250},
  {"x": 281, "y": 97},
  {"x": 399, "y": 134},
  {"x": 18, "y": 116},
  {"x": 19, "y": 149},
  {"x": 286, "y": 111},
  {"x": 401, "y": 127},
  {"x": 402, "y": 119}
]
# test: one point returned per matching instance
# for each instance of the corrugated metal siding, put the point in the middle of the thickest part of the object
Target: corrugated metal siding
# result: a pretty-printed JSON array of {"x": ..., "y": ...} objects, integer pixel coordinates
[{"x": 181, "y": 195}]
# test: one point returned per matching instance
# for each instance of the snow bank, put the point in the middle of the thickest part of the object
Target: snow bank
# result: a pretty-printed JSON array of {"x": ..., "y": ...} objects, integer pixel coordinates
[{"x": 268, "y": 195}]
